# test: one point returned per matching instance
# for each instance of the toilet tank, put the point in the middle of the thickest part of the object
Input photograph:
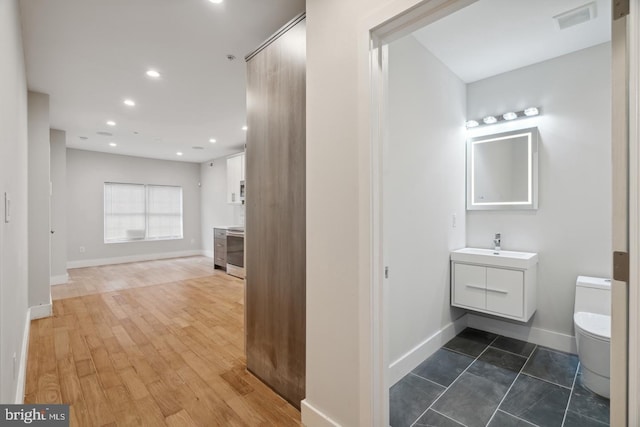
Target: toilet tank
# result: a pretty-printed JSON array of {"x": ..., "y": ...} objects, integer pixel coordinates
[{"x": 593, "y": 295}]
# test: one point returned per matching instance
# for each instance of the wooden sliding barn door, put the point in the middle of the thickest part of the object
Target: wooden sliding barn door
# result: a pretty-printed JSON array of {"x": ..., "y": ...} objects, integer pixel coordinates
[{"x": 275, "y": 212}]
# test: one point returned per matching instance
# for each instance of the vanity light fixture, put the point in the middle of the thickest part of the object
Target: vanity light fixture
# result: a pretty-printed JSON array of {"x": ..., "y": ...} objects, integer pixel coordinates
[
  {"x": 531, "y": 111},
  {"x": 505, "y": 117}
]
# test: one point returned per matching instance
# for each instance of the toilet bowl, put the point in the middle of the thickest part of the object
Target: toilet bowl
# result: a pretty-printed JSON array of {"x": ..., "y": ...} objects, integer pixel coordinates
[{"x": 592, "y": 321}]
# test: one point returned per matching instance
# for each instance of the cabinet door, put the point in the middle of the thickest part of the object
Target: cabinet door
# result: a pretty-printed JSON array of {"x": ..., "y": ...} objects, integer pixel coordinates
[
  {"x": 233, "y": 179},
  {"x": 469, "y": 285},
  {"x": 505, "y": 291}
]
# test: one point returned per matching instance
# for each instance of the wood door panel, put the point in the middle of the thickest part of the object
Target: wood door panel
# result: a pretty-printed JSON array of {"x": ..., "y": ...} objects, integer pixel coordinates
[{"x": 275, "y": 214}]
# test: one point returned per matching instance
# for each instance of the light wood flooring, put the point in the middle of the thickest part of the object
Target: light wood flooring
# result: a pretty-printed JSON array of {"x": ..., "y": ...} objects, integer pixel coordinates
[{"x": 170, "y": 354}]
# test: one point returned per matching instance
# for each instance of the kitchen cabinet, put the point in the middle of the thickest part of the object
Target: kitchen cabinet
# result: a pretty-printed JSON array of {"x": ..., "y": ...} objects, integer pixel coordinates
[
  {"x": 235, "y": 179},
  {"x": 275, "y": 309},
  {"x": 493, "y": 288},
  {"x": 220, "y": 248}
]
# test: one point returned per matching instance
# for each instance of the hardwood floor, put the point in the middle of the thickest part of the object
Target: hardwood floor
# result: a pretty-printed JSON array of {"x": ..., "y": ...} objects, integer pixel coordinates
[
  {"x": 94, "y": 280},
  {"x": 169, "y": 354}
]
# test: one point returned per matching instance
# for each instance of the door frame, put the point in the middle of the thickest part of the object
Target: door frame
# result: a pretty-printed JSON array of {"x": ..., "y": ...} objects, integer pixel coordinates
[{"x": 391, "y": 22}]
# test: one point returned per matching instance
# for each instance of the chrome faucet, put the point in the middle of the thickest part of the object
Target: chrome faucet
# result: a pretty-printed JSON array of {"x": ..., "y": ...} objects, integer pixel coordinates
[{"x": 496, "y": 244}]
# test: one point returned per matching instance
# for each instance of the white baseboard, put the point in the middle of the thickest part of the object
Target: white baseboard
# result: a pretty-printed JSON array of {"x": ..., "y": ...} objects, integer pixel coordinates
[
  {"x": 313, "y": 417},
  {"x": 22, "y": 367},
  {"x": 410, "y": 360},
  {"x": 131, "y": 258},
  {"x": 59, "y": 280},
  {"x": 524, "y": 332},
  {"x": 41, "y": 311}
]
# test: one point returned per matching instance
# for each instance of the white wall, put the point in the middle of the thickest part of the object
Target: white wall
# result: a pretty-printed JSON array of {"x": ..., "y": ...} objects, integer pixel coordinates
[
  {"x": 87, "y": 172},
  {"x": 215, "y": 209},
  {"x": 39, "y": 204},
  {"x": 571, "y": 230},
  {"x": 424, "y": 186},
  {"x": 13, "y": 180},
  {"x": 58, "y": 205}
]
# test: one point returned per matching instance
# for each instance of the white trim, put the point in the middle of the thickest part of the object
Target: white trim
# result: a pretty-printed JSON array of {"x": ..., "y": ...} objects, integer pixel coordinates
[
  {"x": 410, "y": 360},
  {"x": 130, "y": 258},
  {"x": 22, "y": 368},
  {"x": 524, "y": 332},
  {"x": 41, "y": 311},
  {"x": 634, "y": 213},
  {"x": 59, "y": 280},
  {"x": 313, "y": 417},
  {"x": 375, "y": 31}
]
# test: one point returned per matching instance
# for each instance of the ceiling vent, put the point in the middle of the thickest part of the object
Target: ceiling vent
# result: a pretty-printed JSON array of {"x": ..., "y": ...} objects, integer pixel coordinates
[
  {"x": 103, "y": 133},
  {"x": 576, "y": 16}
]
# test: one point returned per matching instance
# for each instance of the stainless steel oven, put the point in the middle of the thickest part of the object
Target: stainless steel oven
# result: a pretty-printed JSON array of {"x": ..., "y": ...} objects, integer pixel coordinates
[{"x": 235, "y": 252}]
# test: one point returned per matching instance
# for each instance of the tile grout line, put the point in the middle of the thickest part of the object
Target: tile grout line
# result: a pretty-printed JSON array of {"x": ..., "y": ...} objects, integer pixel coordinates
[
  {"x": 454, "y": 381},
  {"x": 448, "y": 417},
  {"x": 511, "y": 352},
  {"x": 575, "y": 377},
  {"x": 427, "y": 379},
  {"x": 511, "y": 386},
  {"x": 547, "y": 381},
  {"x": 521, "y": 419}
]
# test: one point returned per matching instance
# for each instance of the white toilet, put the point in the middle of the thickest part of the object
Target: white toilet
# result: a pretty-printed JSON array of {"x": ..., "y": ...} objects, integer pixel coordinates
[{"x": 592, "y": 320}]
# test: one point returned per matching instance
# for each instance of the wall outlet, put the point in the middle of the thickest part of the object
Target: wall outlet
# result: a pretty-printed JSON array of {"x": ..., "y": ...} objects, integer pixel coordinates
[
  {"x": 15, "y": 366},
  {"x": 82, "y": 249}
]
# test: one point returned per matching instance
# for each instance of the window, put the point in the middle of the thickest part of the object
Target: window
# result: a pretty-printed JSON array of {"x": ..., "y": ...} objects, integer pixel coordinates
[{"x": 141, "y": 212}]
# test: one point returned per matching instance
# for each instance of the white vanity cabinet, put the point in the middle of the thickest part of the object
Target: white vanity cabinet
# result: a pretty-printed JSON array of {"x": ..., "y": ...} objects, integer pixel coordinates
[{"x": 502, "y": 284}]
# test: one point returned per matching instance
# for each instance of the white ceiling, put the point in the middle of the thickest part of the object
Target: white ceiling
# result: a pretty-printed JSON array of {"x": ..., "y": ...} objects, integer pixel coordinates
[
  {"x": 491, "y": 37},
  {"x": 89, "y": 55}
]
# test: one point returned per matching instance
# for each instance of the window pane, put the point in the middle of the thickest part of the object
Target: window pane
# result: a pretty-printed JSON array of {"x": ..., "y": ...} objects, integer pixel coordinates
[
  {"x": 164, "y": 212},
  {"x": 124, "y": 212}
]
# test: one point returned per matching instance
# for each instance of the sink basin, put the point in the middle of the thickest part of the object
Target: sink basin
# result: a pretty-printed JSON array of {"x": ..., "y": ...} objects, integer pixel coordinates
[{"x": 509, "y": 259}]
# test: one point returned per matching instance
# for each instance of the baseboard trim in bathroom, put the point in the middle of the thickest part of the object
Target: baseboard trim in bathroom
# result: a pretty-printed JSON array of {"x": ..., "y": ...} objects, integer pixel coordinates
[
  {"x": 410, "y": 360},
  {"x": 312, "y": 416},
  {"x": 554, "y": 340}
]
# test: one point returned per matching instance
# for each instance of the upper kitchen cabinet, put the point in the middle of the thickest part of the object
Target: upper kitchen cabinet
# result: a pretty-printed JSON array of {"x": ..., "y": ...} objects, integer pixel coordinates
[
  {"x": 275, "y": 245},
  {"x": 235, "y": 179}
]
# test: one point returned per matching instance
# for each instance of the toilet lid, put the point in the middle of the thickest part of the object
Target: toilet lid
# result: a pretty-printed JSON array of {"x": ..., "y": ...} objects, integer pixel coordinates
[{"x": 597, "y": 325}]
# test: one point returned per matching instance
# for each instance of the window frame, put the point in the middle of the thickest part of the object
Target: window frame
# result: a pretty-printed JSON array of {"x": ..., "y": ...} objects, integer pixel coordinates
[{"x": 146, "y": 214}]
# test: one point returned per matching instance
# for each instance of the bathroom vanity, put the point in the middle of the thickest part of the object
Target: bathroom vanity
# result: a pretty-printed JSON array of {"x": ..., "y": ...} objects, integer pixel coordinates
[{"x": 499, "y": 283}]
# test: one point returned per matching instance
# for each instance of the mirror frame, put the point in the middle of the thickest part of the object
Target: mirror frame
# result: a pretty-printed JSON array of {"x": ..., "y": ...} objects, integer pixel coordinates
[{"x": 532, "y": 202}]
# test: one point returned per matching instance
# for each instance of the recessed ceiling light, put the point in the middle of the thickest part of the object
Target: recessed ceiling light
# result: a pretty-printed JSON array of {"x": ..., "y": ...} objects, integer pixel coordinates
[
  {"x": 213, "y": 140},
  {"x": 111, "y": 123},
  {"x": 113, "y": 144},
  {"x": 216, "y": 1},
  {"x": 153, "y": 73},
  {"x": 244, "y": 128},
  {"x": 179, "y": 153},
  {"x": 129, "y": 102}
]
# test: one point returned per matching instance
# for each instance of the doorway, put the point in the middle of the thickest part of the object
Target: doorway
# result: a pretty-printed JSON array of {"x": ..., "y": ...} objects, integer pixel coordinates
[{"x": 451, "y": 218}]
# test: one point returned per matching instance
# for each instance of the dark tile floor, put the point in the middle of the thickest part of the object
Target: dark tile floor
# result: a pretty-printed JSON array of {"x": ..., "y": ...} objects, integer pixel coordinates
[{"x": 481, "y": 379}]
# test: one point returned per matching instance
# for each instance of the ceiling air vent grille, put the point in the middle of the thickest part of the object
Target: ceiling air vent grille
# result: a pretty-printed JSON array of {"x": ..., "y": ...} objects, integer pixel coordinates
[{"x": 576, "y": 16}]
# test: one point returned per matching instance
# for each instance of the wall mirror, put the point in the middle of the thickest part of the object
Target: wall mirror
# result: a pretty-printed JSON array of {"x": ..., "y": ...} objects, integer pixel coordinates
[{"x": 502, "y": 171}]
